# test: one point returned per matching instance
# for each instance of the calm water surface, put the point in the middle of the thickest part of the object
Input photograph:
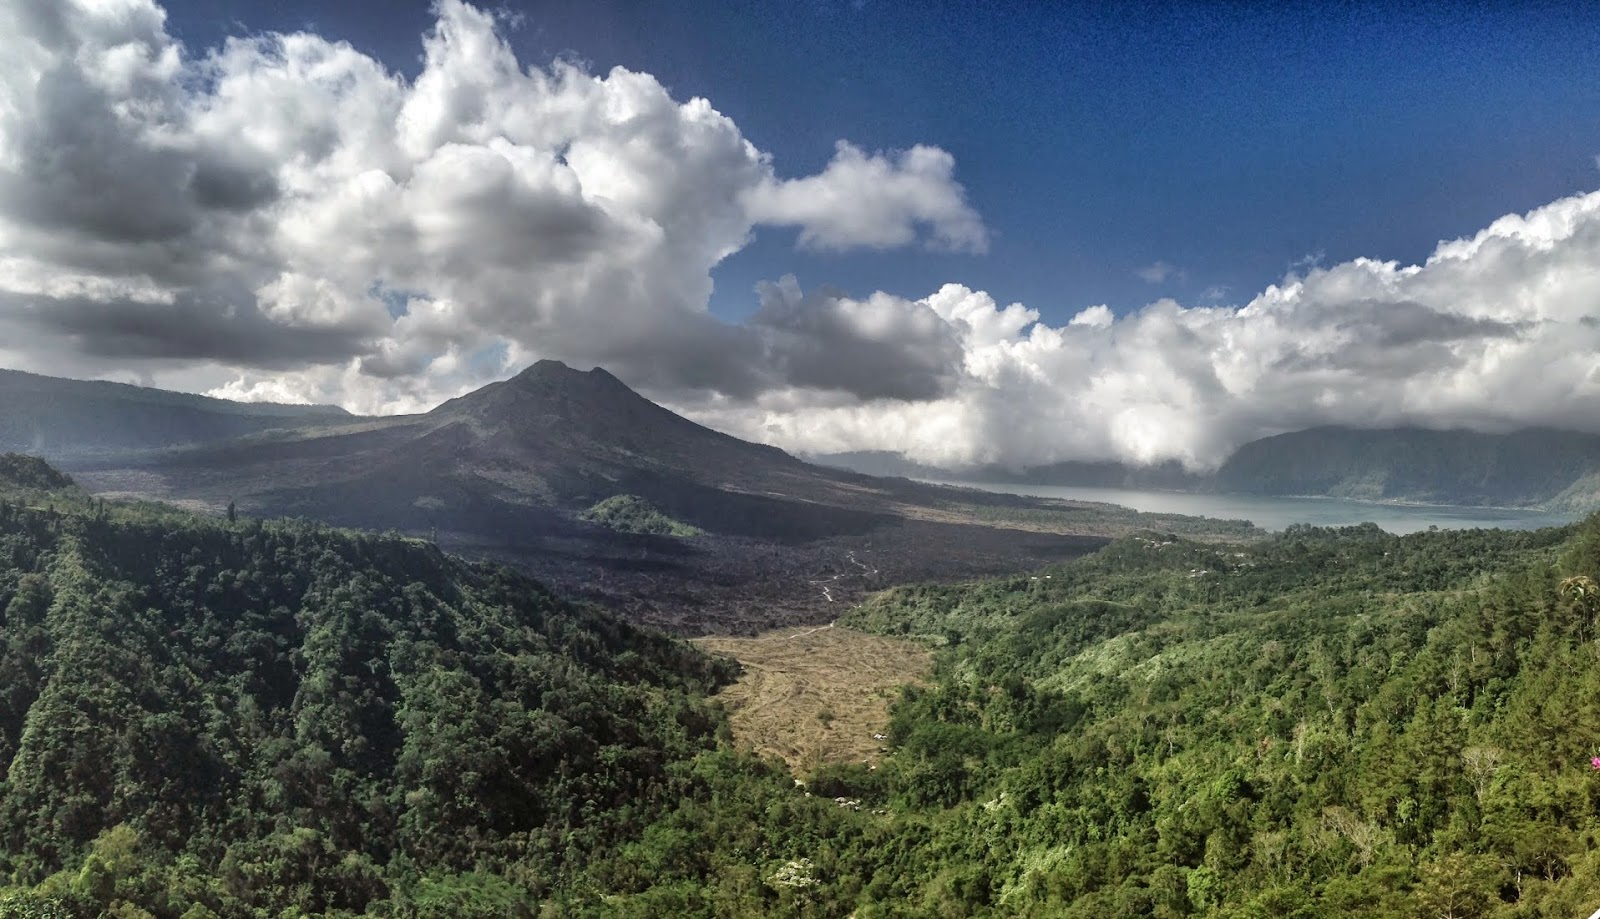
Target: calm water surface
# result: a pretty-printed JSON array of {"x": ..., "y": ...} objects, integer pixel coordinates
[{"x": 1277, "y": 513}]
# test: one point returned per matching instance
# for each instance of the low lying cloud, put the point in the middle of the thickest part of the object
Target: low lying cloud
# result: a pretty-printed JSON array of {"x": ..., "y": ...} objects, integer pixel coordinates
[
  {"x": 285, "y": 218},
  {"x": 1493, "y": 332}
]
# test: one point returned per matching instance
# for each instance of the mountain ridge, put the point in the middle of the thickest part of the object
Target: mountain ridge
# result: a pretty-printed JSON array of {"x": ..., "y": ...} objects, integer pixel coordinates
[
  {"x": 1534, "y": 468},
  {"x": 1531, "y": 467},
  {"x": 548, "y": 398},
  {"x": 75, "y": 419}
]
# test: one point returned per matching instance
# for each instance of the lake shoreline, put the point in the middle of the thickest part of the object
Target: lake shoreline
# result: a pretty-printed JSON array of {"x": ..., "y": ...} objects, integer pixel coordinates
[{"x": 1274, "y": 513}]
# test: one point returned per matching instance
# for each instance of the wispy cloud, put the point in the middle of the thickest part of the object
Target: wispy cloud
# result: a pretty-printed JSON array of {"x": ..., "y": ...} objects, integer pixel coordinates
[
  {"x": 1308, "y": 261},
  {"x": 1158, "y": 272}
]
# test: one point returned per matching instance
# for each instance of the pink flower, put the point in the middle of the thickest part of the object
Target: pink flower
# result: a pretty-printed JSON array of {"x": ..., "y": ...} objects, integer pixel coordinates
[{"x": 1594, "y": 761}]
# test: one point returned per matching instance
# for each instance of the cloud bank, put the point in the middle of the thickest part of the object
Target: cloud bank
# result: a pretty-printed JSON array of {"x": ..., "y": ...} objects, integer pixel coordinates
[
  {"x": 1494, "y": 332},
  {"x": 285, "y": 218},
  {"x": 288, "y": 212}
]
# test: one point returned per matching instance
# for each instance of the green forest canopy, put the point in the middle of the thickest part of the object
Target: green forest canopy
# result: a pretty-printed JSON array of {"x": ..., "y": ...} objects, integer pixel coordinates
[{"x": 266, "y": 718}]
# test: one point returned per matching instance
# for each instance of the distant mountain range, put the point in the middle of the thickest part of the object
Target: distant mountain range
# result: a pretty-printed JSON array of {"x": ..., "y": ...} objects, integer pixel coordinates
[
  {"x": 539, "y": 448},
  {"x": 553, "y": 441},
  {"x": 1536, "y": 467}
]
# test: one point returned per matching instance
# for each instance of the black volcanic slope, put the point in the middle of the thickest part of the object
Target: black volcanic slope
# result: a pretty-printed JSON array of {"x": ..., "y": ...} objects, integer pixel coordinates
[
  {"x": 550, "y": 439},
  {"x": 506, "y": 471}
]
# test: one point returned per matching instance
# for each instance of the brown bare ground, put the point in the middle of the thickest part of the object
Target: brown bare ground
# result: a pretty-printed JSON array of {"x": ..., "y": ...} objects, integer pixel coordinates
[{"x": 815, "y": 696}]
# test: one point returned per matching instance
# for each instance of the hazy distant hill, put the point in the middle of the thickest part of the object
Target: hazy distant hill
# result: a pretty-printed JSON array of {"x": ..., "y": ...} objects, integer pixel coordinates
[
  {"x": 30, "y": 473},
  {"x": 1560, "y": 469},
  {"x": 1534, "y": 467},
  {"x": 70, "y": 419}
]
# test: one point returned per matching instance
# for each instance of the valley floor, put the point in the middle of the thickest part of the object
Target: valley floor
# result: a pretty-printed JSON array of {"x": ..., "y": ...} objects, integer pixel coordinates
[{"x": 817, "y": 695}]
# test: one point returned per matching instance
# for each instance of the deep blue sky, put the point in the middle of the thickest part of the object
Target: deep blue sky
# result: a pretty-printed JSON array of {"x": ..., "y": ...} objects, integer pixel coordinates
[{"x": 1227, "y": 140}]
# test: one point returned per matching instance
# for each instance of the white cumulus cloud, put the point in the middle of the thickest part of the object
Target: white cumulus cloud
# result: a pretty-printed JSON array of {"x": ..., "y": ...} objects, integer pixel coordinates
[
  {"x": 285, "y": 217},
  {"x": 877, "y": 201},
  {"x": 1493, "y": 332}
]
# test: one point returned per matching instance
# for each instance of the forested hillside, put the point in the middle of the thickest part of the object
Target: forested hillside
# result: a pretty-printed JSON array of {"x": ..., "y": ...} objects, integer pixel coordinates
[
  {"x": 203, "y": 718},
  {"x": 262, "y": 719},
  {"x": 1331, "y": 723}
]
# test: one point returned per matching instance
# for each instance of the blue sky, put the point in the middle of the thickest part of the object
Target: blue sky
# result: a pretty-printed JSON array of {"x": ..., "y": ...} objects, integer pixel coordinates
[
  {"x": 1228, "y": 141},
  {"x": 1221, "y": 222}
]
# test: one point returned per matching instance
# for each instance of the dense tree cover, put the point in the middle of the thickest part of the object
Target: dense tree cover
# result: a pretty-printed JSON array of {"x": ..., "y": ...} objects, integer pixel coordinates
[
  {"x": 1327, "y": 723},
  {"x": 201, "y": 718},
  {"x": 19, "y": 472}
]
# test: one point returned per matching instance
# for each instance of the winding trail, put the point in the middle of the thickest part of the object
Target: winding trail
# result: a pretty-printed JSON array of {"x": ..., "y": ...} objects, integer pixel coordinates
[
  {"x": 860, "y": 564},
  {"x": 826, "y": 583}
]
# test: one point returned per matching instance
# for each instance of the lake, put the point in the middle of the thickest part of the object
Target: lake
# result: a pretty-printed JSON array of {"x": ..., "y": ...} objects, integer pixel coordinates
[{"x": 1277, "y": 513}]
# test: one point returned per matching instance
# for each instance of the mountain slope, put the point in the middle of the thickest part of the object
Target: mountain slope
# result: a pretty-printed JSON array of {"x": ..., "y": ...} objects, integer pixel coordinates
[
  {"x": 570, "y": 418},
  {"x": 67, "y": 420},
  {"x": 1326, "y": 723},
  {"x": 509, "y": 470},
  {"x": 1531, "y": 467},
  {"x": 1323, "y": 723},
  {"x": 548, "y": 441}
]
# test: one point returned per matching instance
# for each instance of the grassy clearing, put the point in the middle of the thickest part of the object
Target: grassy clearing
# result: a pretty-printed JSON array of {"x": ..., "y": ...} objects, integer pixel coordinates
[{"x": 815, "y": 696}]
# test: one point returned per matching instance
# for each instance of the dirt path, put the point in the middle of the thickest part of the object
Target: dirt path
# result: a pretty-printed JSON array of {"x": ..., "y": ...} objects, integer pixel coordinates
[{"x": 819, "y": 695}]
